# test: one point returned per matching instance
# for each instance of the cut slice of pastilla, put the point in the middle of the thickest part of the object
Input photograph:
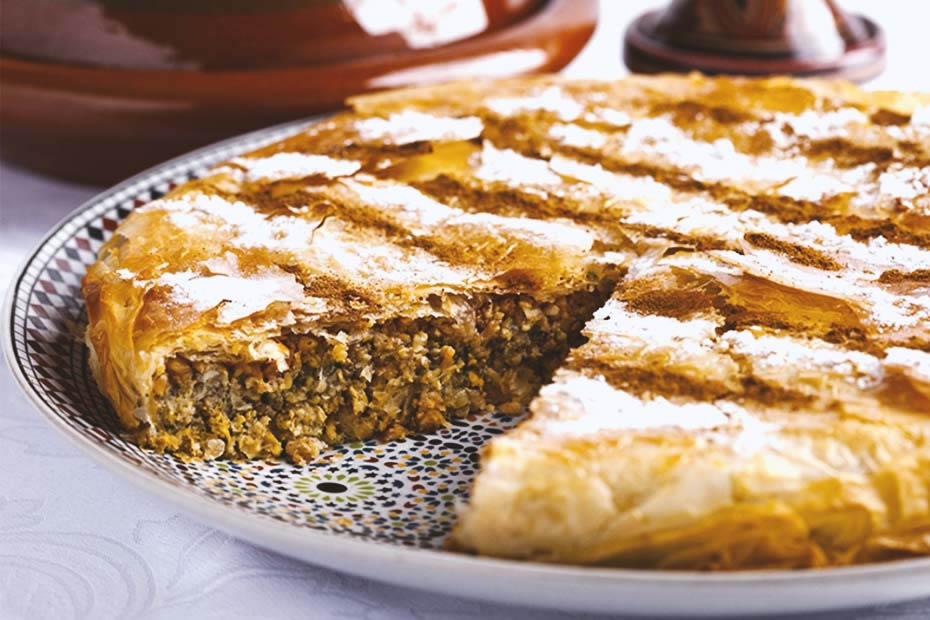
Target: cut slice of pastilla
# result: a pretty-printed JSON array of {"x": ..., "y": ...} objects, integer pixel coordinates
[{"x": 677, "y": 437}]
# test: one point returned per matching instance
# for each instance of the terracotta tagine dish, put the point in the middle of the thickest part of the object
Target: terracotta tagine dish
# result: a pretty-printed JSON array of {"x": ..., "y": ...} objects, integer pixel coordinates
[
  {"x": 756, "y": 37},
  {"x": 96, "y": 90}
]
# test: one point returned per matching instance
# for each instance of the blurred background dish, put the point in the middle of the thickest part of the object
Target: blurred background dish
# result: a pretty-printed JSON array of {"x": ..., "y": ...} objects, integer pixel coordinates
[
  {"x": 215, "y": 35},
  {"x": 756, "y": 37},
  {"x": 95, "y": 90}
]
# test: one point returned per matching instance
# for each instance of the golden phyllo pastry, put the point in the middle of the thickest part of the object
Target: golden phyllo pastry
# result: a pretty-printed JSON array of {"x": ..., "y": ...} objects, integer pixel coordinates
[
  {"x": 753, "y": 389},
  {"x": 716, "y": 420}
]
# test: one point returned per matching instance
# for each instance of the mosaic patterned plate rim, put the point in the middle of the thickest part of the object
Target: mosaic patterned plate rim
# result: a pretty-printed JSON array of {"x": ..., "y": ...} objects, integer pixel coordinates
[{"x": 393, "y": 561}]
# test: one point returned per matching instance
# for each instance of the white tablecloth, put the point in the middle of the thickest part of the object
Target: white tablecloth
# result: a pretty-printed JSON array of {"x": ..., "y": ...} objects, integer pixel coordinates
[{"x": 76, "y": 542}]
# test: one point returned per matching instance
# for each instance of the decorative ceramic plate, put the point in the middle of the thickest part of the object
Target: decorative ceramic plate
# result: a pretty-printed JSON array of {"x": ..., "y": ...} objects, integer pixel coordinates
[{"x": 380, "y": 510}]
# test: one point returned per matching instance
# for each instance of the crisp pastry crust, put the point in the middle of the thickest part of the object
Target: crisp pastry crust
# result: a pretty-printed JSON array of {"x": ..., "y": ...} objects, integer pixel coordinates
[
  {"x": 754, "y": 393},
  {"x": 713, "y": 420}
]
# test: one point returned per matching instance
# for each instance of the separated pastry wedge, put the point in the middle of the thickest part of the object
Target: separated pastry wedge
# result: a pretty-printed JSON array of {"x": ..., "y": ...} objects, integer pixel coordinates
[{"x": 719, "y": 418}]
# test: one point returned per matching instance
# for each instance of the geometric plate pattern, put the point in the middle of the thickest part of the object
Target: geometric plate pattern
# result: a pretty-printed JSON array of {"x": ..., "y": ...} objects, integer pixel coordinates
[{"x": 403, "y": 492}]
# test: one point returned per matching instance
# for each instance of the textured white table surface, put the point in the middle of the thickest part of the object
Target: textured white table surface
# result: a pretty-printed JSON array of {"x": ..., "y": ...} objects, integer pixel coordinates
[{"x": 76, "y": 542}]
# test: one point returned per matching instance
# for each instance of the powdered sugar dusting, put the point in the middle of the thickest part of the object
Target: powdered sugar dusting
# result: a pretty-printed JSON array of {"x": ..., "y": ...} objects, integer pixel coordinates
[
  {"x": 594, "y": 406},
  {"x": 697, "y": 216},
  {"x": 700, "y": 216},
  {"x": 552, "y": 99},
  {"x": 424, "y": 215},
  {"x": 610, "y": 116},
  {"x": 510, "y": 167},
  {"x": 817, "y": 125},
  {"x": 294, "y": 165},
  {"x": 904, "y": 183},
  {"x": 573, "y": 135},
  {"x": 884, "y": 309},
  {"x": 719, "y": 160},
  {"x": 629, "y": 331},
  {"x": 245, "y": 227},
  {"x": 913, "y": 362},
  {"x": 330, "y": 245},
  {"x": 814, "y": 187},
  {"x": 702, "y": 262},
  {"x": 781, "y": 352},
  {"x": 644, "y": 190},
  {"x": 412, "y": 126},
  {"x": 237, "y": 295}
]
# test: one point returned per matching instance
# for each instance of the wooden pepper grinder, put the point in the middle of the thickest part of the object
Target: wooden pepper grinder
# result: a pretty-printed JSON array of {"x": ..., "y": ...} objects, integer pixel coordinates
[{"x": 756, "y": 37}]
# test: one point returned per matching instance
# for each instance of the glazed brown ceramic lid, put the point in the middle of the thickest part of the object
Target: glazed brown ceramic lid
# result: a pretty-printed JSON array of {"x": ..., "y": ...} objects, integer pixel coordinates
[
  {"x": 241, "y": 34},
  {"x": 756, "y": 37},
  {"x": 96, "y": 90}
]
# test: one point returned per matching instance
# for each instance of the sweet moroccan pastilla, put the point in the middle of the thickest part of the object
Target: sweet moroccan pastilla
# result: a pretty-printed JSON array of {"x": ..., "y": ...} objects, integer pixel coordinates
[{"x": 713, "y": 295}]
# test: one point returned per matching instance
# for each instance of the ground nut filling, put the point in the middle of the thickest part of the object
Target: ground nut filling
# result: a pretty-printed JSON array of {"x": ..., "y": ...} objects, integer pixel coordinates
[{"x": 400, "y": 377}]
